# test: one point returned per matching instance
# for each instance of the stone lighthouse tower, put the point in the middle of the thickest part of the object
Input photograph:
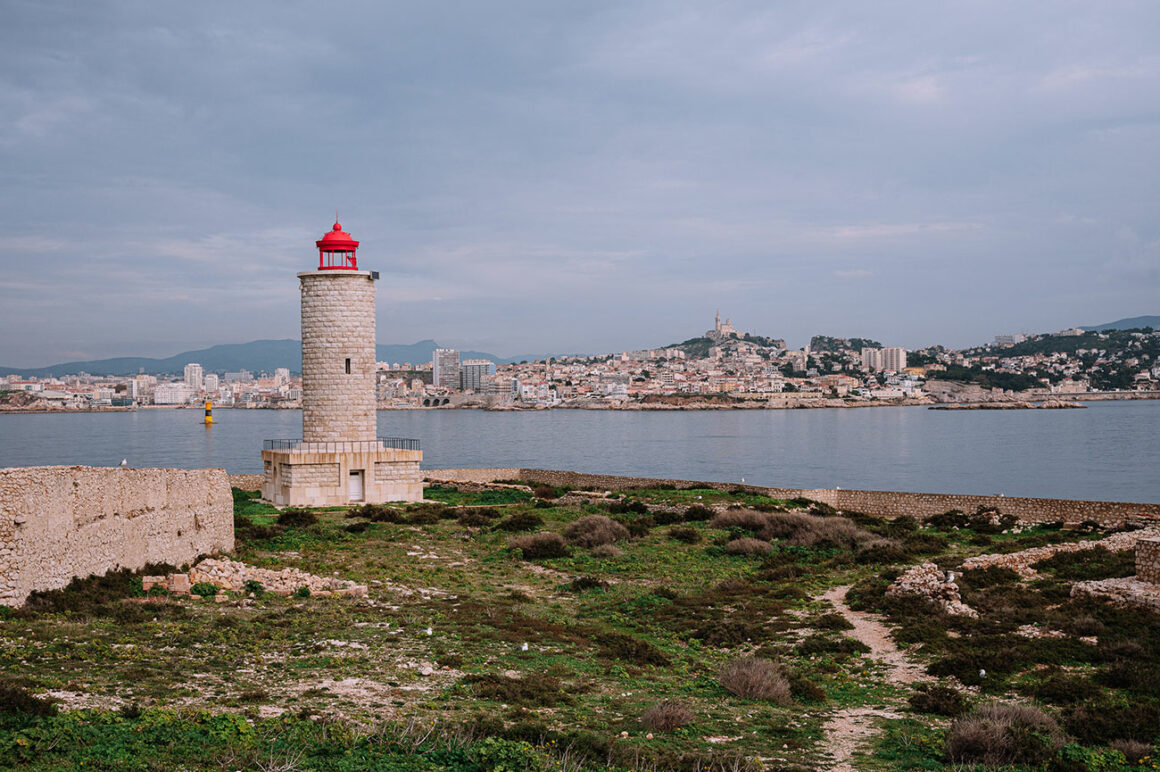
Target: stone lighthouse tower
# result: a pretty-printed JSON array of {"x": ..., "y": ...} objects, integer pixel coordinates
[{"x": 339, "y": 459}]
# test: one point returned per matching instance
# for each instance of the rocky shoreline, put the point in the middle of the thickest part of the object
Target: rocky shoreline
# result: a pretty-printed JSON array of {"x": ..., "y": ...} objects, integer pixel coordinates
[{"x": 1048, "y": 405}]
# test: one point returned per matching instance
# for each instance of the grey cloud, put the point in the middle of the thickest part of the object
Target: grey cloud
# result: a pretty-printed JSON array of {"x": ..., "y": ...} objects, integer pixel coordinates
[{"x": 593, "y": 177}]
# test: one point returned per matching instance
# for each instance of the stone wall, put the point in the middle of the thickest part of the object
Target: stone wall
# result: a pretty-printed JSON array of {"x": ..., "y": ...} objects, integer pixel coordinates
[
  {"x": 1148, "y": 560},
  {"x": 397, "y": 471},
  {"x": 311, "y": 475},
  {"x": 60, "y": 522},
  {"x": 890, "y": 504},
  {"x": 247, "y": 482},
  {"x": 338, "y": 323},
  {"x": 880, "y": 503}
]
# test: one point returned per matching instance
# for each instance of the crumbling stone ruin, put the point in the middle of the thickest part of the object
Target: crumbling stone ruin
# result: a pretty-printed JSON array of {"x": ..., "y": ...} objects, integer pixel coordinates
[
  {"x": 1139, "y": 591},
  {"x": 931, "y": 582},
  {"x": 1021, "y": 562},
  {"x": 233, "y": 575}
]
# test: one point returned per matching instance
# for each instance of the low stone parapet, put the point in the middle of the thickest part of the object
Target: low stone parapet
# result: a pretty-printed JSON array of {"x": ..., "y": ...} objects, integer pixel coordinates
[
  {"x": 880, "y": 503},
  {"x": 1126, "y": 592},
  {"x": 1021, "y": 562}
]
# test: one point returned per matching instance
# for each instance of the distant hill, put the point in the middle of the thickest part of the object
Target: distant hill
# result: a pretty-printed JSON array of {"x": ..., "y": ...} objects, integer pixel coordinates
[
  {"x": 1132, "y": 323},
  {"x": 826, "y": 343},
  {"x": 254, "y": 356}
]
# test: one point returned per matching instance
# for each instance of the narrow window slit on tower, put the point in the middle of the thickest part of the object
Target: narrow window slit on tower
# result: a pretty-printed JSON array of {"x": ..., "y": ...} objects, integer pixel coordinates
[{"x": 348, "y": 365}]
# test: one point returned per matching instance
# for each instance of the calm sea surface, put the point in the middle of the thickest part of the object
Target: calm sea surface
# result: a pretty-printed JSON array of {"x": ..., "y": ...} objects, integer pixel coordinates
[{"x": 1110, "y": 451}]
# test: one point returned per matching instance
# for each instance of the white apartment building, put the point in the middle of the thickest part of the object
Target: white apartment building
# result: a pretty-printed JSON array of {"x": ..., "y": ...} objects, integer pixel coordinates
[
  {"x": 891, "y": 359},
  {"x": 194, "y": 376},
  {"x": 445, "y": 368},
  {"x": 172, "y": 394},
  {"x": 473, "y": 371}
]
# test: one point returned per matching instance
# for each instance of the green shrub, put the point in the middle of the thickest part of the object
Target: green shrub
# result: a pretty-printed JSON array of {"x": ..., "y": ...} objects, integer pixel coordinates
[
  {"x": 667, "y": 517},
  {"x": 425, "y": 516},
  {"x": 521, "y": 521},
  {"x": 1076, "y": 758},
  {"x": 254, "y": 586},
  {"x": 802, "y": 688},
  {"x": 628, "y": 649},
  {"x": 698, "y": 513},
  {"x": 498, "y": 755},
  {"x": 532, "y": 690},
  {"x": 302, "y": 592},
  {"x": 821, "y": 644},
  {"x": 1084, "y": 565},
  {"x": 540, "y": 546},
  {"x": 1101, "y": 720},
  {"x": 584, "y": 583},
  {"x": 204, "y": 589},
  {"x": 939, "y": 700},
  {"x": 881, "y": 552},
  {"x": 686, "y": 535},
  {"x": 296, "y": 518},
  {"x": 631, "y": 507},
  {"x": 475, "y": 517},
  {"x": 955, "y": 518},
  {"x": 1062, "y": 689},
  {"x": 832, "y": 621},
  {"x": 93, "y": 595},
  {"x": 17, "y": 699},
  {"x": 377, "y": 513}
]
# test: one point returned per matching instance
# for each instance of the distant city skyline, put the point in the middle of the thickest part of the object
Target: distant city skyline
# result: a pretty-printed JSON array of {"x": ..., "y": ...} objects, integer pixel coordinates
[{"x": 536, "y": 178}]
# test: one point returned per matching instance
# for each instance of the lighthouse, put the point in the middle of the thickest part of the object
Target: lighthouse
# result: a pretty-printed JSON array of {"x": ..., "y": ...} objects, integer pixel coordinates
[{"x": 340, "y": 459}]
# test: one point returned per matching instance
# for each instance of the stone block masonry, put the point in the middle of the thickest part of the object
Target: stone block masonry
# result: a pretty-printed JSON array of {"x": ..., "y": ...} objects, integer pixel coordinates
[
  {"x": 338, "y": 356},
  {"x": 1148, "y": 560},
  {"x": 61, "y": 522}
]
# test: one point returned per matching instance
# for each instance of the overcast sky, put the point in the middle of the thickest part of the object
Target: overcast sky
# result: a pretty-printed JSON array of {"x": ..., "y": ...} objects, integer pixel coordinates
[{"x": 595, "y": 176}]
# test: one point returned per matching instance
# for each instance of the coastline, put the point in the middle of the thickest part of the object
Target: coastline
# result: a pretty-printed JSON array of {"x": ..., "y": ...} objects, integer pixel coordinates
[{"x": 1005, "y": 401}]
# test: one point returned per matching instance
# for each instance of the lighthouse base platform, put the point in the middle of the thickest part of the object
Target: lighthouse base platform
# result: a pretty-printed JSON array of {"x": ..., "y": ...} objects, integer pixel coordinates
[{"x": 330, "y": 474}]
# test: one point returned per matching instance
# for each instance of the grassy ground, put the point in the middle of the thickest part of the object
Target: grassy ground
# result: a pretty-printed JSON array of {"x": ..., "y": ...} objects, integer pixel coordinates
[{"x": 468, "y": 654}]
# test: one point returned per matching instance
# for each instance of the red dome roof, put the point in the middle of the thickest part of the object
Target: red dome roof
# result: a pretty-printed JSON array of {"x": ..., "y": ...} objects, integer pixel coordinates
[{"x": 337, "y": 239}]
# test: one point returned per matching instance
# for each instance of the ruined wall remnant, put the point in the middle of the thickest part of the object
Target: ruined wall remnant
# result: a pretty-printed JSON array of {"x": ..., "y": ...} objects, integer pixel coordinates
[
  {"x": 1148, "y": 560},
  {"x": 880, "y": 503},
  {"x": 61, "y": 522}
]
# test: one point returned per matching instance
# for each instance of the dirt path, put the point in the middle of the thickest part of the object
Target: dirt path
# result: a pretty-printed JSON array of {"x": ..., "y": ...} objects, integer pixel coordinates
[{"x": 850, "y": 728}]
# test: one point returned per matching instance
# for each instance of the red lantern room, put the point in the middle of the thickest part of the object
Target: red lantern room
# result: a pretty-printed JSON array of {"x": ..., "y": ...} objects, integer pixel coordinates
[{"x": 336, "y": 251}]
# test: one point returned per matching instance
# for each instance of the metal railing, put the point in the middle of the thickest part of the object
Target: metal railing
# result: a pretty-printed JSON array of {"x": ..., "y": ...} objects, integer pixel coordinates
[{"x": 342, "y": 446}]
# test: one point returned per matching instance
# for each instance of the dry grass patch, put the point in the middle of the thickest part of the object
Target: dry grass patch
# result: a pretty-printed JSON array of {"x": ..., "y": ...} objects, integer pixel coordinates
[
  {"x": 747, "y": 546},
  {"x": 667, "y": 716},
  {"x": 595, "y": 530},
  {"x": 755, "y": 678},
  {"x": 996, "y": 734},
  {"x": 538, "y": 546}
]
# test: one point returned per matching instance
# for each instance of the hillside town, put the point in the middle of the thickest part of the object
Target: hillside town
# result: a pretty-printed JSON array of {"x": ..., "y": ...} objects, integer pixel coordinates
[{"x": 721, "y": 368}]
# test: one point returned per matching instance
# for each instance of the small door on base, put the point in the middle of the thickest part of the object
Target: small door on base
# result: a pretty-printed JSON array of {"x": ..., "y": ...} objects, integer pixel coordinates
[{"x": 356, "y": 485}]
